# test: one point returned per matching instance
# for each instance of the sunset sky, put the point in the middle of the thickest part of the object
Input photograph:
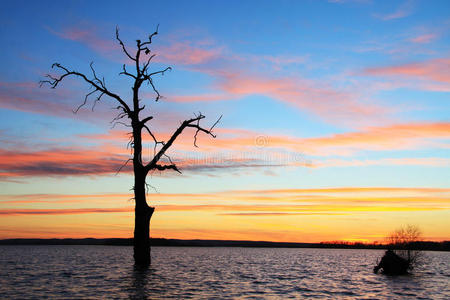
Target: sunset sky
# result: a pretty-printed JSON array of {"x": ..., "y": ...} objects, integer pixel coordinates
[{"x": 336, "y": 119}]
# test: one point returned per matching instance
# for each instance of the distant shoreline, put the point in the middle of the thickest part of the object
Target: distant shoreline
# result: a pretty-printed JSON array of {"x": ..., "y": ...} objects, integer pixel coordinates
[{"x": 425, "y": 245}]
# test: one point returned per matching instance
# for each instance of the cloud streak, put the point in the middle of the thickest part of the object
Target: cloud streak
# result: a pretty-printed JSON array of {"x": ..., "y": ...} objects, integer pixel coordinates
[
  {"x": 319, "y": 97},
  {"x": 238, "y": 149},
  {"x": 431, "y": 74},
  {"x": 403, "y": 11}
]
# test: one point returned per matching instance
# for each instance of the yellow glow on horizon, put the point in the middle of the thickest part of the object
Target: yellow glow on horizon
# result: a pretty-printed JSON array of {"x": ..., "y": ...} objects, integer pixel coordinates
[{"x": 296, "y": 215}]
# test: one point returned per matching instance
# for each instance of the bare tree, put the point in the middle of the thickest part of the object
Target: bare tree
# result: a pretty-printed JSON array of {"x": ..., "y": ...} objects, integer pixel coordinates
[
  {"x": 128, "y": 114},
  {"x": 402, "y": 241}
]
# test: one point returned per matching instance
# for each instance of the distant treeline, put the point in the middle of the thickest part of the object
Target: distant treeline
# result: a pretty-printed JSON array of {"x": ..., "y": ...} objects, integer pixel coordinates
[{"x": 425, "y": 245}]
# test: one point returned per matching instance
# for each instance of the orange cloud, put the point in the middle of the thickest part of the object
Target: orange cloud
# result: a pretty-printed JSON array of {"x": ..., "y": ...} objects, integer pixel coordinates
[
  {"x": 235, "y": 149},
  {"x": 63, "y": 211},
  {"x": 383, "y": 138},
  {"x": 394, "y": 137},
  {"x": 56, "y": 162}
]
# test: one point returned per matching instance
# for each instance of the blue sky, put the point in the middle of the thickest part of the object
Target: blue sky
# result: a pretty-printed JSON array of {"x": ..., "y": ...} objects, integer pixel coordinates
[{"x": 314, "y": 94}]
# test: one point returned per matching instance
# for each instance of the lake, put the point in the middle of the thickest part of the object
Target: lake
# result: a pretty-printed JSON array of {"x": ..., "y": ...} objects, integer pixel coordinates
[{"x": 68, "y": 272}]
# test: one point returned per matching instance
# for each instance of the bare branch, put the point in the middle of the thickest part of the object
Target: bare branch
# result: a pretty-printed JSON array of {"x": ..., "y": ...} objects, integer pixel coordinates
[
  {"x": 126, "y": 73},
  {"x": 148, "y": 61},
  {"x": 130, "y": 159},
  {"x": 96, "y": 80},
  {"x": 97, "y": 100},
  {"x": 147, "y": 185},
  {"x": 145, "y": 120},
  {"x": 95, "y": 83},
  {"x": 158, "y": 95},
  {"x": 151, "y": 36},
  {"x": 119, "y": 116},
  {"x": 197, "y": 126},
  {"x": 154, "y": 139},
  {"x": 120, "y": 123},
  {"x": 162, "y": 72},
  {"x": 166, "y": 167},
  {"x": 123, "y": 46},
  {"x": 194, "y": 123},
  {"x": 84, "y": 102}
]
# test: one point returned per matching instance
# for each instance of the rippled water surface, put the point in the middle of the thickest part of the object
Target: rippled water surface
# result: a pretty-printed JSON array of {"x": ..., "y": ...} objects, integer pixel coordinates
[{"x": 67, "y": 272}]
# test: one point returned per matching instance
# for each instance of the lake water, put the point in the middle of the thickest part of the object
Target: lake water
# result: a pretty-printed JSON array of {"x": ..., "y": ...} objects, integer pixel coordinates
[{"x": 68, "y": 272}]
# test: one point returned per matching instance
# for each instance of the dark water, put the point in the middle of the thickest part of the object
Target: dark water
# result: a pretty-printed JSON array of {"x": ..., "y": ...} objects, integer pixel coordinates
[{"x": 67, "y": 272}]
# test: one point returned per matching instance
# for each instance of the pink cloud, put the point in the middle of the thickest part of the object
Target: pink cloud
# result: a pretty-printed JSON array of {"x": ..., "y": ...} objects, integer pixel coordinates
[
  {"x": 436, "y": 70},
  {"x": 60, "y": 162},
  {"x": 26, "y": 96},
  {"x": 404, "y": 10},
  {"x": 88, "y": 35},
  {"x": 335, "y": 105},
  {"x": 184, "y": 52},
  {"x": 330, "y": 104},
  {"x": 187, "y": 54},
  {"x": 60, "y": 102},
  {"x": 200, "y": 97},
  {"x": 432, "y": 74},
  {"x": 408, "y": 136},
  {"x": 424, "y": 38}
]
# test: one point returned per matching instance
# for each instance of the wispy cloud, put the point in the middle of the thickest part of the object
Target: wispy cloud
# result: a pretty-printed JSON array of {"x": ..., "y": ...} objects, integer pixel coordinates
[
  {"x": 88, "y": 34},
  {"x": 408, "y": 136},
  {"x": 432, "y": 74},
  {"x": 332, "y": 105},
  {"x": 59, "y": 162},
  {"x": 244, "y": 214},
  {"x": 424, "y": 38},
  {"x": 231, "y": 81},
  {"x": 186, "y": 53},
  {"x": 69, "y": 211},
  {"x": 337, "y": 200},
  {"x": 437, "y": 162},
  {"x": 404, "y": 10}
]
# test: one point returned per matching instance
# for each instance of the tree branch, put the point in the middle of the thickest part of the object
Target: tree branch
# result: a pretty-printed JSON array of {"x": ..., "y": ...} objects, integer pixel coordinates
[
  {"x": 154, "y": 139},
  {"x": 194, "y": 123},
  {"x": 126, "y": 73},
  {"x": 95, "y": 83},
  {"x": 145, "y": 120},
  {"x": 166, "y": 167},
  {"x": 123, "y": 46},
  {"x": 151, "y": 36},
  {"x": 149, "y": 79},
  {"x": 120, "y": 169}
]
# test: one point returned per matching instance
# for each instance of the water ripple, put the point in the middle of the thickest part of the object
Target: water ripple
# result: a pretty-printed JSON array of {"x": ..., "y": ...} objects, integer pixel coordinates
[{"x": 106, "y": 272}]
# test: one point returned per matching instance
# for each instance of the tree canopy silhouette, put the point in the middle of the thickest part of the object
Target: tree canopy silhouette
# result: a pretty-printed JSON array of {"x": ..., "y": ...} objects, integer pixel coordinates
[
  {"x": 129, "y": 114},
  {"x": 401, "y": 255}
]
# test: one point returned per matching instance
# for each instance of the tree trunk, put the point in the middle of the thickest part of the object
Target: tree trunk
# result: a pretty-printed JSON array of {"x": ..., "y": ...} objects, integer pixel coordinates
[{"x": 143, "y": 214}]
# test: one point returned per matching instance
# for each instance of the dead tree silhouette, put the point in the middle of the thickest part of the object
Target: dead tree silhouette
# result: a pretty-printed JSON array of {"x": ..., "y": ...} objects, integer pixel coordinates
[{"x": 129, "y": 115}]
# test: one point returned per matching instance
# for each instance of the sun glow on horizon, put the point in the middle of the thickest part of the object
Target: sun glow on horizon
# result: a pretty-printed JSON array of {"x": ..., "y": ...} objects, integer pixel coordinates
[{"x": 335, "y": 120}]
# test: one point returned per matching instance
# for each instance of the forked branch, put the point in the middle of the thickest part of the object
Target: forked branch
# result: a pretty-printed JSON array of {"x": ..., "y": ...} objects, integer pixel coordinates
[
  {"x": 96, "y": 83},
  {"x": 193, "y": 123}
]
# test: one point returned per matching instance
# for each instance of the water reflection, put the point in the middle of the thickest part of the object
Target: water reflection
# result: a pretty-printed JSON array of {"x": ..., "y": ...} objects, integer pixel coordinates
[
  {"x": 75, "y": 272},
  {"x": 139, "y": 281}
]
